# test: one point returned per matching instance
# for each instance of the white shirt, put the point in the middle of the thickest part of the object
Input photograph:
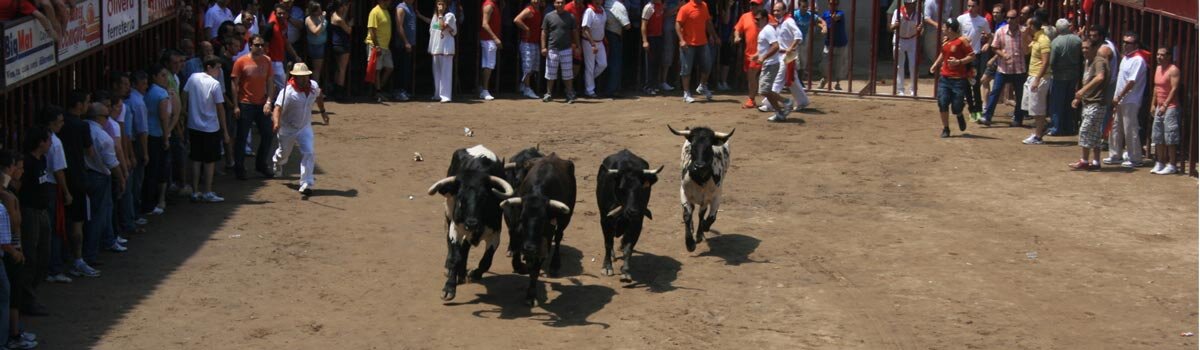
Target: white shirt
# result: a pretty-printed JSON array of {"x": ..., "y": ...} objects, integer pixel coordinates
[
  {"x": 214, "y": 17},
  {"x": 618, "y": 17},
  {"x": 788, "y": 32},
  {"x": 594, "y": 23},
  {"x": 908, "y": 26},
  {"x": 931, "y": 11},
  {"x": 442, "y": 44},
  {"x": 973, "y": 28},
  {"x": 296, "y": 107},
  {"x": 56, "y": 159},
  {"x": 648, "y": 11},
  {"x": 1133, "y": 71},
  {"x": 251, "y": 27},
  {"x": 204, "y": 96},
  {"x": 105, "y": 157},
  {"x": 767, "y": 36}
]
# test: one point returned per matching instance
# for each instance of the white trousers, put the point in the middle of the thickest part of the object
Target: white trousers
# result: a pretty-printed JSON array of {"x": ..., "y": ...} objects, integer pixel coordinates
[
  {"x": 906, "y": 54},
  {"x": 288, "y": 139},
  {"x": 443, "y": 75},
  {"x": 1124, "y": 134},
  {"x": 799, "y": 97},
  {"x": 593, "y": 65}
]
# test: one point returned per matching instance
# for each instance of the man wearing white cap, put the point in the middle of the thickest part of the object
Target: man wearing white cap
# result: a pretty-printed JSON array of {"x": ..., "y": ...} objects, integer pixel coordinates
[{"x": 292, "y": 122}]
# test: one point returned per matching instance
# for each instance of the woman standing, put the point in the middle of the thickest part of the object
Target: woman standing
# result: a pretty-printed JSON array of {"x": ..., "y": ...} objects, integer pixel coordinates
[
  {"x": 442, "y": 29},
  {"x": 339, "y": 35},
  {"x": 318, "y": 32}
]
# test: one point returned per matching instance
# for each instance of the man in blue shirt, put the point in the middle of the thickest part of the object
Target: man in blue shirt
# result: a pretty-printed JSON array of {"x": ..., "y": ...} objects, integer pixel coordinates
[
  {"x": 835, "y": 44},
  {"x": 807, "y": 18}
]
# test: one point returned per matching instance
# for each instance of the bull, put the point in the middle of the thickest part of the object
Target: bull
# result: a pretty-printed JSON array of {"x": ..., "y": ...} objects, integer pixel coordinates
[
  {"x": 623, "y": 186},
  {"x": 543, "y": 204},
  {"x": 514, "y": 172},
  {"x": 473, "y": 189},
  {"x": 704, "y": 160}
]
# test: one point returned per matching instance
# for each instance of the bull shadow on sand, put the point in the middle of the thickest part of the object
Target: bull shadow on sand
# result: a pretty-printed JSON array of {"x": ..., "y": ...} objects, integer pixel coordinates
[
  {"x": 656, "y": 273},
  {"x": 734, "y": 248},
  {"x": 572, "y": 307}
]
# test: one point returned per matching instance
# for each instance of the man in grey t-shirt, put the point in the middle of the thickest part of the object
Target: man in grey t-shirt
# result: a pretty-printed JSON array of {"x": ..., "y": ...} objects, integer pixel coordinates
[
  {"x": 559, "y": 38},
  {"x": 1066, "y": 69}
]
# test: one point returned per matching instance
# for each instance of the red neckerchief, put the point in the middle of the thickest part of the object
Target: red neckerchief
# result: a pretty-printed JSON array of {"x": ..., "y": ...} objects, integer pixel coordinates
[
  {"x": 1145, "y": 55},
  {"x": 597, "y": 10},
  {"x": 904, "y": 12},
  {"x": 292, "y": 82}
]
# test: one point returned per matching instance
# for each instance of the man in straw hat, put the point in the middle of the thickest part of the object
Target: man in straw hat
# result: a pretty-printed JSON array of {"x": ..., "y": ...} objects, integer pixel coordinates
[{"x": 292, "y": 123}]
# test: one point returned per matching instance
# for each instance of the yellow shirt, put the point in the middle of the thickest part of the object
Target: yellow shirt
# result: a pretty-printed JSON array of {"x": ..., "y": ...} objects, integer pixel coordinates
[
  {"x": 1038, "y": 47},
  {"x": 382, "y": 23}
]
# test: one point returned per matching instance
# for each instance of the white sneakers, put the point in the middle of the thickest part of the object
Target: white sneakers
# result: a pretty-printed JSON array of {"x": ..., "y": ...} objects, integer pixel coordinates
[
  {"x": 117, "y": 247},
  {"x": 1164, "y": 169},
  {"x": 1032, "y": 140},
  {"x": 486, "y": 96},
  {"x": 210, "y": 197},
  {"x": 528, "y": 93},
  {"x": 704, "y": 90},
  {"x": 666, "y": 87},
  {"x": 687, "y": 97},
  {"x": 305, "y": 189},
  {"x": 83, "y": 270},
  {"x": 59, "y": 278},
  {"x": 1113, "y": 160}
]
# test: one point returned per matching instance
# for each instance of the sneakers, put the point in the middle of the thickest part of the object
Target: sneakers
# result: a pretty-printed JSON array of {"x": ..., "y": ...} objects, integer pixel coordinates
[
  {"x": 486, "y": 96},
  {"x": 141, "y": 221},
  {"x": 211, "y": 197},
  {"x": 122, "y": 240},
  {"x": 666, "y": 87},
  {"x": 1130, "y": 164},
  {"x": 788, "y": 107},
  {"x": 962, "y": 123},
  {"x": 1079, "y": 165},
  {"x": 1158, "y": 166},
  {"x": 401, "y": 96},
  {"x": 28, "y": 336},
  {"x": 446, "y": 100},
  {"x": 546, "y": 98},
  {"x": 83, "y": 270},
  {"x": 305, "y": 190},
  {"x": 1168, "y": 170},
  {"x": 186, "y": 190},
  {"x": 945, "y": 132},
  {"x": 195, "y": 197},
  {"x": 687, "y": 97},
  {"x": 158, "y": 210},
  {"x": 1114, "y": 160},
  {"x": 570, "y": 98},
  {"x": 528, "y": 93},
  {"x": 1033, "y": 140},
  {"x": 748, "y": 105},
  {"x": 590, "y": 95},
  {"x": 650, "y": 91},
  {"x": 776, "y": 118},
  {"x": 275, "y": 169},
  {"x": 117, "y": 248},
  {"x": 766, "y": 107},
  {"x": 704, "y": 90},
  {"x": 59, "y": 278},
  {"x": 21, "y": 344},
  {"x": 976, "y": 116}
]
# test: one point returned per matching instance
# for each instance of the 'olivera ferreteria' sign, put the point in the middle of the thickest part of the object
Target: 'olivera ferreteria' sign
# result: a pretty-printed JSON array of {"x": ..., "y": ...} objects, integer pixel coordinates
[
  {"x": 121, "y": 18},
  {"x": 28, "y": 50}
]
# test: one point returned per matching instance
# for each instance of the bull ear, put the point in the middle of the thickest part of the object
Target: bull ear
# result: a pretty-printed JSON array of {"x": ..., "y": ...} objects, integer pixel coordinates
[
  {"x": 720, "y": 136},
  {"x": 437, "y": 186},
  {"x": 560, "y": 206},
  {"x": 684, "y": 133},
  {"x": 648, "y": 214}
]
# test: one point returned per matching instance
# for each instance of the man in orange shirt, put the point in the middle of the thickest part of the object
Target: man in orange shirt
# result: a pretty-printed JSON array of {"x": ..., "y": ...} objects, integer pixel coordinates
[
  {"x": 694, "y": 25},
  {"x": 250, "y": 82},
  {"x": 747, "y": 31}
]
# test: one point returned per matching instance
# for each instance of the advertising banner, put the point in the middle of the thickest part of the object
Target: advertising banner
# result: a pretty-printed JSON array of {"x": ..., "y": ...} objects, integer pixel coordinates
[
  {"x": 28, "y": 50},
  {"x": 121, "y": 18},
  {"x": 156, "y": 10},
  {"x": 83, "y": 31}
]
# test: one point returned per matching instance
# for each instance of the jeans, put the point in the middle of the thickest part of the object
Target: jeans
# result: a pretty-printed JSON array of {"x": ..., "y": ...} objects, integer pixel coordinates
[
  {"x": 1062, "y": 120},
  {"x": 615, "y": 57},
  {"x": 97, "y": 230},
  {"x": 5, "y": 296},
  {"x": 253, "y": 114},
  {"x": 404, "y": 68},
  {"x": 35, "y": 244},
  {"x": 950, "y": 93},
  {"x": 651, "y": 62},
  {"x": 1016, "y": 83},
  {"x": 155, "y": 173}
]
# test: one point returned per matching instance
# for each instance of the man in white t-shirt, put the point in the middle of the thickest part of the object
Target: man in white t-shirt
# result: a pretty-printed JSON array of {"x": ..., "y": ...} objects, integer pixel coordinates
[
  {"x": 206, "y": 126},
  {"x": 768, "y": 55},
  {"x": 595, "y": 53},
  {"x": 292, "y": 121},
  {"x": 906, "y": 25},
  {"x": 978, "y": 32},
  {"x": 217, "y": 13},
  {"x": 789, "y": 38},
  {"x": 1124, "y": 142}
]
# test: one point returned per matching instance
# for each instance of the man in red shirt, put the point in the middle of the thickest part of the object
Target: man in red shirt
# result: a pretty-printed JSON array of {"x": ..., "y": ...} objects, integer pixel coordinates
[
  {"x": 278, "y": 47},
  {"x": 252, "y": 86},
  {"x": 954, "y": 60},
  {"x": 489, "y": 42},
  {"x": 694, "y": 25},
  {"x": 747, "y": 31},
  {"x": 652, "y": 43},
  {"x": 576, "y": 9},
  {"x": 530, "y": 23}
]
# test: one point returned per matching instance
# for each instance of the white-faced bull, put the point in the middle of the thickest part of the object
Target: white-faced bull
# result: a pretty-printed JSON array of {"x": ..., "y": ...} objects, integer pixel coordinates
[
  {"x": 473, "y": 189},
  {"x": 704, "y": 159},
  {"x": 543, "y": 206},
  {"x": 514, "y": 172},
  {"x": 622, "y": 194}
]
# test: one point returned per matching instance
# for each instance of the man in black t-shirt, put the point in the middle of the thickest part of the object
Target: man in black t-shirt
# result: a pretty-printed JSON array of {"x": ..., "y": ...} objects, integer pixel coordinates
[
  {"x": 35, "y": 219},
  {"x": 76, "y": 138}
]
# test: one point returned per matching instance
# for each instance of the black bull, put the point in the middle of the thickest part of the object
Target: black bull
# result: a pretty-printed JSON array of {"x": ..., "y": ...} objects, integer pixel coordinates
[
  {"x": 543, "y": 205},
  {"x": 623, "y": 186}
]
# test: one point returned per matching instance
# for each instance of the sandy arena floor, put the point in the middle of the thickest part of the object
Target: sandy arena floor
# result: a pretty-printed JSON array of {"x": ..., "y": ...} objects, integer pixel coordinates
[{"x": 859, "y": 229}]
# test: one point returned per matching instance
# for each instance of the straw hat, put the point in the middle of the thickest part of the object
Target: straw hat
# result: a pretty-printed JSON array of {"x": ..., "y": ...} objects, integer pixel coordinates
[{"x": 300, "y": 69}]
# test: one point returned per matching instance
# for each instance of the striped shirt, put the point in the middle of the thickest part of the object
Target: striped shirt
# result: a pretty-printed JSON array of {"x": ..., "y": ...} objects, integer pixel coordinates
[
  {"x": 1011, "y": 45},
  {"x": 5, "y": 228}
]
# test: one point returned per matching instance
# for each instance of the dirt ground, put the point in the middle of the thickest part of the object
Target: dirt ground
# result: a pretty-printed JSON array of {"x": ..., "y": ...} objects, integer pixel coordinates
[{"x": 859, "y": 229}]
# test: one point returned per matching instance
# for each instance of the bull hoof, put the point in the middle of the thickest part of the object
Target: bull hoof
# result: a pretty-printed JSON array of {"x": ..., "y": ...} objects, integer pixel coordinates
[
  {"x": 448, "y": 294},
  {"x": 530, "y": 302},
  {"x": 691, "y": 245},
  {"x": 476, "y": 275},
  {"x": 625, "y": 277},
  {"x": 608, "y": 270},
  {"x": 699, "y": 236}
]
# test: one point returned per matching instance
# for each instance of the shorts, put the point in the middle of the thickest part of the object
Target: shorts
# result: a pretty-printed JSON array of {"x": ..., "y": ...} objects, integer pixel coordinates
[
  {"x": 205, "y": 146},
  {"x": 1034, "y": 102},
  {"x": 340, "y": 50},
  {"x": 1091, "y": 131},
  {"x": 766, "y": 79},
  {"x": 991, "y": 70},
  {"x": 384, "y": 60},
  {"x": 951, "y": 93},
  {"x": 748, "y": 64},
  {"x": 688, "y": 55},
  {"x": 316, "y": 52},
  {"x": 530, "y": 58},
  {"x": 556, "y": 60},
  {"x": 487, "y": 57},
  {"x": 1166, "y": 128}
]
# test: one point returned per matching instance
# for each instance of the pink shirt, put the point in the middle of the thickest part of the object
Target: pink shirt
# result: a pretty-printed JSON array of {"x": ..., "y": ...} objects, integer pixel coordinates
[{"x": 1011, "y": 45}]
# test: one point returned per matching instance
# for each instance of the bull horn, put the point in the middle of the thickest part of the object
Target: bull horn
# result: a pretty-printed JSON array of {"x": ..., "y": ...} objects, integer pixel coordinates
[
  {"x": 653, "y": 172},
  {"x": 723, "y": 136},
  {"x": 508, "y": 190},
  {"x": 510, "y": 166},
  {"x": 614, "y": 171},
  {"x": 684, "y": 133},
  {"x": 510, "y": 201},
  {"x": 560, "y": 206},
  {"x": 438, "y": 185},
  {"x": 614, "y": 211}
]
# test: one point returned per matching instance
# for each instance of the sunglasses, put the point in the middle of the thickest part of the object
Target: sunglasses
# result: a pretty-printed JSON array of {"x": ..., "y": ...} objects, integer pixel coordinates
[
  {"x": 1130, "y": 42},
  {"x": 258, "y": 45}
]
